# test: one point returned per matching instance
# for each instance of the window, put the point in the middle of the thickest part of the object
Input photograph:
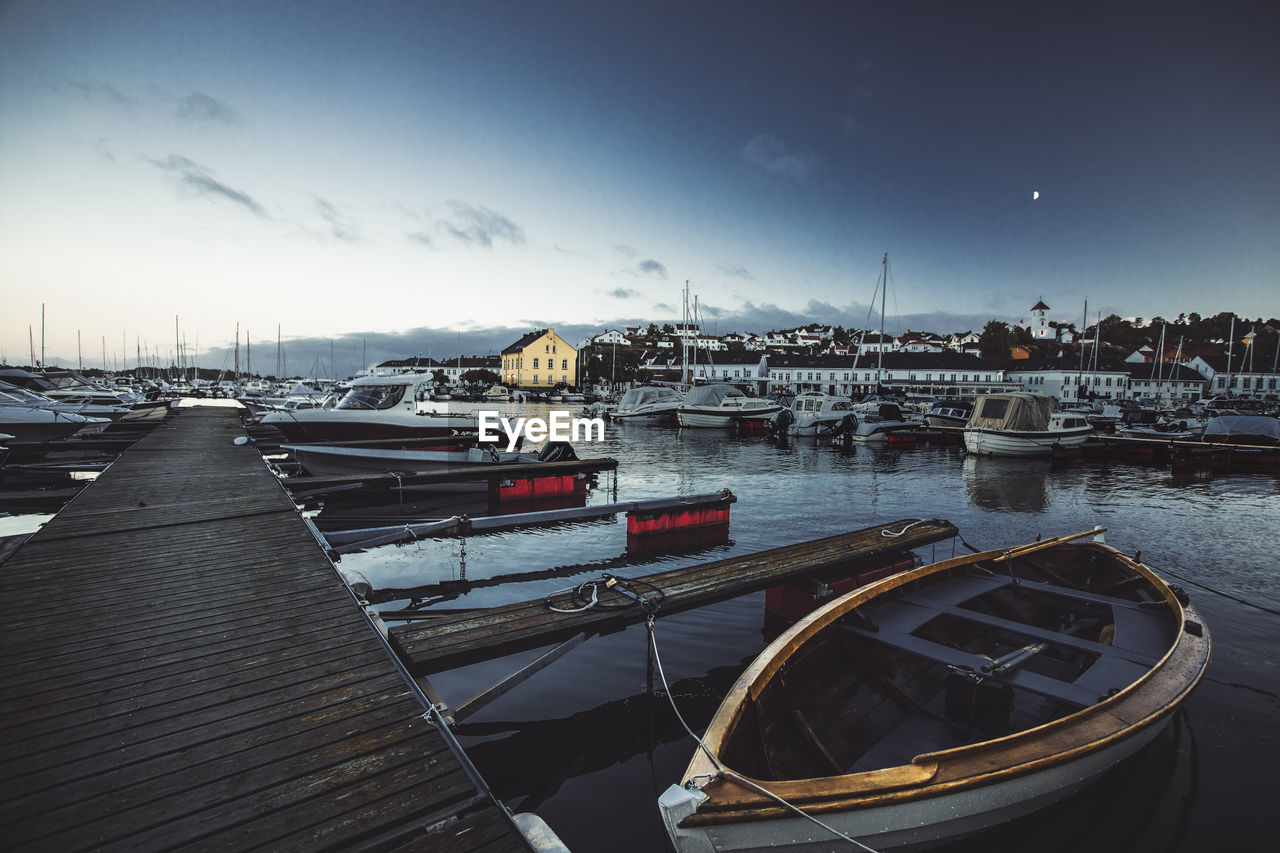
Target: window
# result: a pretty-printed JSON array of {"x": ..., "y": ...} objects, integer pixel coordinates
[
  {"x": 535, "y": 379},
  {"x": 535, "y": 364},
  {"x": 553, "y": 347},
  {"x": 547, "y": 347},
  {"x": 564, "y": 364}
]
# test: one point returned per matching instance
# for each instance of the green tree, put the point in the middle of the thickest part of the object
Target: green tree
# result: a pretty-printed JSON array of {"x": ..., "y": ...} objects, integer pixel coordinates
[
  {"x": 437, "y": 376},
  {"x": 994, "y": 343},
  {"x": 479, "y": 376}
]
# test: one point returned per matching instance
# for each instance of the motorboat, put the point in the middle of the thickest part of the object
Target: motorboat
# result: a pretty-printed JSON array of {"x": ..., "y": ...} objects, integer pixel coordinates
[
  {"x": 812, "y": 413},
  {"x": 12, "y": 395},
  {"x": 942, "y": 701},
  {"x": 874, "y": 422},
  {"x": 723, "y": 406},
  {"x": 1255, "y": 430},
  {"x": 948, "y": 413},
  {"x": 1022, "y": 424},
  {"x": 377, "y": 407},
  {"x": 648, "y": 404},
  {"x": 497, "y": 392},
  {"x": 32, "y": 425},
  {"x": 332, "y": 460}
]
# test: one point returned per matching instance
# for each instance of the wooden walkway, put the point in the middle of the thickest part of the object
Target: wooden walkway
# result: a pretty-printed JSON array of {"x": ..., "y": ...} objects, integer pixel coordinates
[
  {"x": 458, "y": 639},
  {"x": 182, "y": 668}
]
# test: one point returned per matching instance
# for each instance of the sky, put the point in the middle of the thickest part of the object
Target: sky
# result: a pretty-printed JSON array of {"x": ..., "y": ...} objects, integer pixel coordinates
[{"x": 374, "y": 180}]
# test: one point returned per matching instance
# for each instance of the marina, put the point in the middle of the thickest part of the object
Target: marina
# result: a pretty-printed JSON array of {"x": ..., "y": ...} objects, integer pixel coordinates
[{"x": 479, "y": 579}]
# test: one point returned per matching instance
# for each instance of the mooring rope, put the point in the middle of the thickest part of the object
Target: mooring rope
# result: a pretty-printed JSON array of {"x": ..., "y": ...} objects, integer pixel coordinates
[{"x": 725, "y": 771}]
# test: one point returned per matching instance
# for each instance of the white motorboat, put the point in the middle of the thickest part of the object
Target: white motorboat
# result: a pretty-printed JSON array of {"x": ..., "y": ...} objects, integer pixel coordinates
[
  {"x": 648, "y": 404},
  {"x": 948, "y": 413},
  {"x": 724, "y": 407},
  {"x": 325, "y": 460},
  {"x": 812, "y": 413},
  {"x": 12, "y": 395},
  {"x": 377, "y": 407},
  {"x": 874, "y": 422},
  {"x": 30, "y": 425},
  {"x": 497, "y": 392},
  {"x": 941, "y": 701},
  {"x": 1021, "y": 424}
]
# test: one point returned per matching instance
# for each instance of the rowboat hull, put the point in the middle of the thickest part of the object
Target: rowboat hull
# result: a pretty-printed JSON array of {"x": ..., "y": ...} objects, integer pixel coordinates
[
  {"x": 942, "y": 701},
  {"x": 909, "y": 824}
]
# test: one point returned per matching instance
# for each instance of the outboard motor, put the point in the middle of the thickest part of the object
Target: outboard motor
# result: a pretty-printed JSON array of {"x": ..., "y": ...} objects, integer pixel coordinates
[
  {"x": 557, "y": 451},
  {"x": 848, "y": 425},
  {"x": 781, "y": 419}
]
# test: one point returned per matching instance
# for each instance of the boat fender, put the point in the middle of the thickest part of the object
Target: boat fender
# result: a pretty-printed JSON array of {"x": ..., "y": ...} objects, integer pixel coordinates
[{"x": 539, "y": 835}]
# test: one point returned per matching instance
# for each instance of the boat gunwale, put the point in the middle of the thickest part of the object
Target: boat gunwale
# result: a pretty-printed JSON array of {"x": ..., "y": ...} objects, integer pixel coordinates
[{"x": 1086, "y": 731}]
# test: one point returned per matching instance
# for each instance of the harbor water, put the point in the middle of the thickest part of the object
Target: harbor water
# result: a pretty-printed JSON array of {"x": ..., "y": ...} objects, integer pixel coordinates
[{"x": 591, "y": 742}]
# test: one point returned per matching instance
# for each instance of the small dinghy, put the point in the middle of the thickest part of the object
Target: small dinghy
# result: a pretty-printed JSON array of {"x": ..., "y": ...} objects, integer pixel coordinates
[{"x": 942, "y": 701}]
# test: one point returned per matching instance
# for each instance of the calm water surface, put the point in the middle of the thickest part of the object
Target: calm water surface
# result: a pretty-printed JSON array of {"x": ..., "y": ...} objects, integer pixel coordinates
[{"x": 587, "y": 746}]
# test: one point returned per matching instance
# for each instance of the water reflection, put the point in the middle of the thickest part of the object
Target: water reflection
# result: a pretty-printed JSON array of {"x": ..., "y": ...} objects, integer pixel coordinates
[{"x": 1012, "y": 485}]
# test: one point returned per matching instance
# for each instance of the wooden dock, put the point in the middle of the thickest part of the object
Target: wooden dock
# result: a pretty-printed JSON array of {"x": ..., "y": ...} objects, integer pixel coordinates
[
  {"x": 183, "y": 668},
  {"x": 455, "y": 640}
]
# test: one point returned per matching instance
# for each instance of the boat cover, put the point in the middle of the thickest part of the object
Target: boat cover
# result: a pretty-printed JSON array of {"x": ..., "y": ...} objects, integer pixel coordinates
[
  {"x": 711, "y": 395},
  {"x": 1011, "y": 412},
  {"x": 1235, "y": 426}
]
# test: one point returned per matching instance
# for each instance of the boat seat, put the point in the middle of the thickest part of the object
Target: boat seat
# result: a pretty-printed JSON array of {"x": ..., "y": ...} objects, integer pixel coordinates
[
  {"x": 1140, "y": 629},
  {"x": 1137, "y": 656},
  {"x": 1082, "y": 695}
]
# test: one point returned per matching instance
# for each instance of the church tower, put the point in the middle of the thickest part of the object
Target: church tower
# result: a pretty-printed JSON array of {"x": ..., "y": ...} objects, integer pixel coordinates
[{"x": 1040, "y": 329}]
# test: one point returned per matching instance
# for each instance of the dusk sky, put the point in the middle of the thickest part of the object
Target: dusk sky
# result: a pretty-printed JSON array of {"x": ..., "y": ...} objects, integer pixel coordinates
[{"x": 415, "y": 177}]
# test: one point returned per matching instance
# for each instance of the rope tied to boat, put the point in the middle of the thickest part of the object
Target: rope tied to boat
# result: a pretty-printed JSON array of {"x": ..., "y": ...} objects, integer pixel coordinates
[{"x": 724, "y": 772}]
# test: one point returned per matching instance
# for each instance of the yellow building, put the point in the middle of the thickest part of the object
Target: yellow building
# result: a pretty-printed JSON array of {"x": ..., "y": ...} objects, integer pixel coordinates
[{"x": 539, "y": 360}]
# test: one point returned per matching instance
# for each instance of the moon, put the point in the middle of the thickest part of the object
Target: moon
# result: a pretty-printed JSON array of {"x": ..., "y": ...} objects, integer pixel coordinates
[{"x": 1035, "y": 194}]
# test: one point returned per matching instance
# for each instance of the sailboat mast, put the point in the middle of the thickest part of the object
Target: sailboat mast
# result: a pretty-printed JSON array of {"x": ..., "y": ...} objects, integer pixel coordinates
[
  {"x": 884, "y": 287},
  {"x": 1231, "y": 341}
]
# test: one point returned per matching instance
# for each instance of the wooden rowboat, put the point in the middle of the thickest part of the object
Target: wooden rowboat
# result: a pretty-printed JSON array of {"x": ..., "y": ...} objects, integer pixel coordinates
[{"x": 941, "y": 701}]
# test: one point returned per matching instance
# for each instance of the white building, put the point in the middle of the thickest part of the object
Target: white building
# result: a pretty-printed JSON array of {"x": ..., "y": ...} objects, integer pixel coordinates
[{"x": 1040, "y": 328}]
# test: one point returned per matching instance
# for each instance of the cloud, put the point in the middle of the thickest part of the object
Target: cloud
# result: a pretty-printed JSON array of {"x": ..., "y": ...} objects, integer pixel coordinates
[
  {"x": 664, "y": 308},
  {"x": 420, "y": 237},
  {"x": 200, "y": 108},
  {"x": 199, "y": 181},
  {"x": 771, "y": 154},
  {"x": 623, "y": 293},
  {"x": 99, "y": 92},
  {"x": 625, "y": 250},
  {"x": 479, "y": 226},
  {"x": 652, "y": 268},
  {"x": 340, "y": 227},
  {"x": 736, "y": 271}
]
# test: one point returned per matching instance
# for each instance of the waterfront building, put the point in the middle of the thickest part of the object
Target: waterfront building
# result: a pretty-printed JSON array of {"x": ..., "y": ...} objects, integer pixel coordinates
[
  {"x": 1250, "y": 375},
  {"x": 833, "y": 374},
  {"x": 397, "y": 366},
  {"x": 454, "y": 368},
  {"x": 1164, "y": 383},
  {"x": 539, "y": 360},
  {"x": 1071, "y": 384}
]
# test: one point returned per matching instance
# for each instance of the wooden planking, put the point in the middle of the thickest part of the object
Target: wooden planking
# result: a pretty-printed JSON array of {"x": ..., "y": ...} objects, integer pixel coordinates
[
  {"x": 451, "y": 641},
  {"x": 184, "y": 668},
  {"x": 512, "y": 470}
]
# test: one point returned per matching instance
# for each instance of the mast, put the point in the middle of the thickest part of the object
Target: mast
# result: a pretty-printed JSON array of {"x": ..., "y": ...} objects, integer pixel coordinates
[
  {"x": 79, "y": 351},
  {"x": 237, "y": 361},
  {"x": 1231, "y": 341},
  {"x": 31, "y": 346},
  {"x": 687, "y": 372},
  {"x": 884, "y": 287},
  {"x": 42, "y": 364}
]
